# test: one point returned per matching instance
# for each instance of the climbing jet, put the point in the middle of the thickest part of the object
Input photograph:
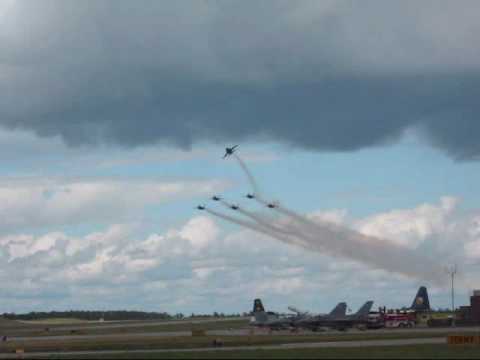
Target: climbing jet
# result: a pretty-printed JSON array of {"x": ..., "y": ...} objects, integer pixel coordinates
[
  {"x": 216, "y": 198},
  {"x": 234, "y": 207},
  {"x": 271, "y": 206},
  {"x": 250, "y": 196},
  {"x": 229, "y": 151},
  {"x": 200, "y": 207}
]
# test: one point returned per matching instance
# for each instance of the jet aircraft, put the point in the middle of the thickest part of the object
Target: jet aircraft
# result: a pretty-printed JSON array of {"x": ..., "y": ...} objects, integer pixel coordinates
[
  {"x": 216, "y": 198},
  {"x": 271, "y": 206},
  {"x": 229, "y": 151},
  {"x": 250, "y": 196},
  {"x": 344, "y": 322},
  {"x": 316, "y": 322},
  {"x": 234, "y": 207},
  {"x": 270, "y": 320},
  {"x": 201, "y": 207},
  {"x": 298, "y": 311}
]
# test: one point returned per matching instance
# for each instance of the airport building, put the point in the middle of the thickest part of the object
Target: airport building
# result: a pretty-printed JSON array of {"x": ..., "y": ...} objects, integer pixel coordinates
[{"x": 470, "y": 314}]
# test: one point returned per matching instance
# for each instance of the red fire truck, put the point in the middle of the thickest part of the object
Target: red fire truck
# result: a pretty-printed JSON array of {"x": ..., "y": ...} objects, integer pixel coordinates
[{"x": 399, "y": 320}]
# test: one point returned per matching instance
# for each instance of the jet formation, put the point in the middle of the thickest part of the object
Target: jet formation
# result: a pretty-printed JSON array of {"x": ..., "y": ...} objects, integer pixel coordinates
[
  {"x": 304, "y": 230},
  {"x": 228, "y": 152}
]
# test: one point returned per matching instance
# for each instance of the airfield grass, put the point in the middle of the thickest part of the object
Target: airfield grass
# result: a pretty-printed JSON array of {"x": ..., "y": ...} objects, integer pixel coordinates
[
  {"x": 385, "y": 352},
  {"x": 180, "y": 326},
  {"x": 137, "y": 327},
  {"x": 186, "y": 342},
  {"x": 54, "y": 321}
]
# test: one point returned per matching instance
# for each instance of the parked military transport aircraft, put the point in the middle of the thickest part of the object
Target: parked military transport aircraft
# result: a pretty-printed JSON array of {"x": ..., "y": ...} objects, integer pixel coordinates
[{"x": 421, "y": 302}]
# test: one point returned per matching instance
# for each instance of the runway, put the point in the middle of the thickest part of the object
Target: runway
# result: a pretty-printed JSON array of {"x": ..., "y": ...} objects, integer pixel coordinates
[
  {"x": 333, "y": 344},
  {"x": 242, "y": 332}
]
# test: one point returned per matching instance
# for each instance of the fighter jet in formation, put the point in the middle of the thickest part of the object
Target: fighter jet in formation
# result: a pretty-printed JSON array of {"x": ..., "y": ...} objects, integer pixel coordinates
[
  {"x": 271, "y": 206},
  {"x": 250, "y": 196},
  {"x": 234, "y": 207},
  {"x": 229, "y": 151},
  {"x": 216, "y": 198},
  {"x": 200, "y": 207}
]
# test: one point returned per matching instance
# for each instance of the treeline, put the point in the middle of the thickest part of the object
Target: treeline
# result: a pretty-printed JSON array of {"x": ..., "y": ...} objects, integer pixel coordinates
[
  {"x": 109, "y": 315},
  {"x": 90, "y": 315}
]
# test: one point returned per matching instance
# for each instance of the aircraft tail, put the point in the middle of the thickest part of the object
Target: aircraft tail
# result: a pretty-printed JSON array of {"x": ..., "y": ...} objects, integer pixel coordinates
[
  {"x": 365, "y": 309},
  {"x": 258, "y": 306},
  {"x": 421, "y": 302},
  {"x": 259, "y": 311},
  {"x": 339, "y": 310}
]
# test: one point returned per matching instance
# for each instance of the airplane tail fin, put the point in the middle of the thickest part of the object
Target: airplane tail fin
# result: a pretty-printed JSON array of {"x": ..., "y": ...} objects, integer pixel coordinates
[
  {"x": 258, "y": 306},
  {"x": 339, "y": 310},
  {"x": 259, "y": 313},
  {"x": 421, "y": 302},
  {"x": 365, "y": 309}
]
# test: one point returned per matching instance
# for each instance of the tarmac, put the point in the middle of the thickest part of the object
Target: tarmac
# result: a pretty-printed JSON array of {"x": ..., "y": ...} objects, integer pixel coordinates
[
  {"x": 313, "y": 345},
  {"x": 237, "y": 332}
]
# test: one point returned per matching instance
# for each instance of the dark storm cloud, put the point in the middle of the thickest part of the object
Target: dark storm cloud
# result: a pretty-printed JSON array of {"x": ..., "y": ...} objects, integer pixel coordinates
[{"x": 317, "y": 75}]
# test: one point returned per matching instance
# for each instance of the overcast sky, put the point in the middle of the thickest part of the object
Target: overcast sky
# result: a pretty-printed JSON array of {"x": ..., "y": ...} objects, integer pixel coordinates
[{"x": 113, "y": 120}]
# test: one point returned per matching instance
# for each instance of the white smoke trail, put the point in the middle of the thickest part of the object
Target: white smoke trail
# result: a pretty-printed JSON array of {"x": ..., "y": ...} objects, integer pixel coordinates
[
  {"x": 335, "y": 240},
  {"x": 260, "y": 220},
  {"x": 344, "y": 242},
  {"x": 257, "y": 228},
  {"x": 251, "y": 179}
]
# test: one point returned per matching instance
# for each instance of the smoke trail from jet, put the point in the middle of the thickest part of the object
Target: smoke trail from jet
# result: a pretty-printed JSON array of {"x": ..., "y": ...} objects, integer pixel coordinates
[
  {"x": 258, "y": 219},
  {"x": 341, "y": 241},
  {"x": 251, "y": 179},
  {"x": 257, "y": 228}
]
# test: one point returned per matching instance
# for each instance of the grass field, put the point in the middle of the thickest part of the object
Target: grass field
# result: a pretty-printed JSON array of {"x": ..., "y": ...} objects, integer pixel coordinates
[
  {"x": 95, "y": 328},
  {"x": 56, "y": 321},
  {"x": 185, "y": 342},
  {"x": 119, "y": 340},
  {"x": 388, "y": 352}
]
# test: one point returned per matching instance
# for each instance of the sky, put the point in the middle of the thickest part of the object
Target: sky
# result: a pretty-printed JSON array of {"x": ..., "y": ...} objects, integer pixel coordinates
[{"x": 113, "y": 124}]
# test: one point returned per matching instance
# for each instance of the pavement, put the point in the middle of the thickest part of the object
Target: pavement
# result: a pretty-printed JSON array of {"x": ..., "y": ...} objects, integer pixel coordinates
[
  {"x": 240, "y": 332},
  {"x": 314, "y": 345}
]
